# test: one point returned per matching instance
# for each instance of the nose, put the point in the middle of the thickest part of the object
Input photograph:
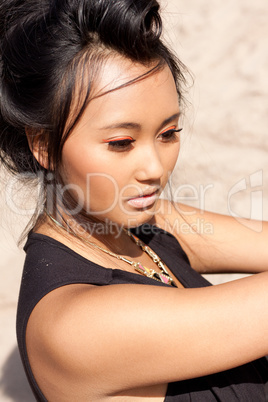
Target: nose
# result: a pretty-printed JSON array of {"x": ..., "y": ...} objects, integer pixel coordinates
[{"x": 149, "y": 165}]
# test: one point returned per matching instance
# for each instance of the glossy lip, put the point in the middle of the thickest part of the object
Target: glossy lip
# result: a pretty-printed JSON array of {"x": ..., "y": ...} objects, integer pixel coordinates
[{"x": 146, "y": 199}]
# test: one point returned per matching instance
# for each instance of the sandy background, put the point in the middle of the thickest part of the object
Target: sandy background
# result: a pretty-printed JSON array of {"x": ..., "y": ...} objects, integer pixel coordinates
[{"x": 223, "y": 164}]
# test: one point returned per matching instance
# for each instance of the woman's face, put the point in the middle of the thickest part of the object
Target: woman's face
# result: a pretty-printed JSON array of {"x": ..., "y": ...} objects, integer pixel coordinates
[{"x": 120, "y": 155}]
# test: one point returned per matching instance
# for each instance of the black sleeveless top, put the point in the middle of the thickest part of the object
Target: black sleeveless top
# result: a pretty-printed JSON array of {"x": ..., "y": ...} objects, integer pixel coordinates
[{"x": 49, "y": 265}]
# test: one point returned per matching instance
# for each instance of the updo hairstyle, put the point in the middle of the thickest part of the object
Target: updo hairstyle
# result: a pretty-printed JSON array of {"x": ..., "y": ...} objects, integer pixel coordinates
[{"x": 44, "y": 46}]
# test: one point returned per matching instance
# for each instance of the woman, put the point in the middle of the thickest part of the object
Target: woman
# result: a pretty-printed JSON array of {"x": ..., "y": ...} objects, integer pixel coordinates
[{"x": 90, "y": 104}]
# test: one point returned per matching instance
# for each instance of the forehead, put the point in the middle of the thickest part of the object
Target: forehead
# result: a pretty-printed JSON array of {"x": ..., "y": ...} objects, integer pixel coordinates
[
  {"x": 127, "y": 91},
  {"x": 118, "y": 72}
]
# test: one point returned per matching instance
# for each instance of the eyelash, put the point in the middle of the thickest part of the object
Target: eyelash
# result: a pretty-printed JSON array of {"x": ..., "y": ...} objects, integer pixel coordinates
[
  {"x": 170, "y": 135},
  {"x": 125, "y": 144},
  {"x": 121, "y": 145}
]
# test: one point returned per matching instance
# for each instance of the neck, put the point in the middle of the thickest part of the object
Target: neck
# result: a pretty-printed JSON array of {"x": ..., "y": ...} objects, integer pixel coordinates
[{"x": 108, "y": 234}]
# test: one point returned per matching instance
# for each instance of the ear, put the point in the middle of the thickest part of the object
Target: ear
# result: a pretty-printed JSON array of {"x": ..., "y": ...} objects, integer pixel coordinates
[{"x": 38, "y": 146}]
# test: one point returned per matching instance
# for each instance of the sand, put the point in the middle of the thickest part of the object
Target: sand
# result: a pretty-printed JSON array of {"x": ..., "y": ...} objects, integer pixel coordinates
[{"x": 223, "y": 163}]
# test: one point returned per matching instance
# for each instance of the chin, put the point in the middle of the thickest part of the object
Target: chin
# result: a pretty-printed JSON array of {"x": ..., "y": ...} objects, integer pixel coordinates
[{"x": 139, "y": 220}]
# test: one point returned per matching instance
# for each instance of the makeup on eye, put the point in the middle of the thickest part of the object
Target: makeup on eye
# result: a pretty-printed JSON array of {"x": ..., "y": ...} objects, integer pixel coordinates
[
  {"x": 124, "y": 142},
  {"x": 170, "y": 134},
  {"x": 120, "y": 143}
]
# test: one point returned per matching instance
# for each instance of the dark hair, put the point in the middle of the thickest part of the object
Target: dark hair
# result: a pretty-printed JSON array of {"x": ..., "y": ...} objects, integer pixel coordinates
[{"x": 44, "y": 44}]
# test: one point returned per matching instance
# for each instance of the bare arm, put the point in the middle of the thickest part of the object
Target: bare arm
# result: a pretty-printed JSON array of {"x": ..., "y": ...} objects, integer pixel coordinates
[
  {"x": 217, "y": 243},
  {"x": 121, "y": 337}
]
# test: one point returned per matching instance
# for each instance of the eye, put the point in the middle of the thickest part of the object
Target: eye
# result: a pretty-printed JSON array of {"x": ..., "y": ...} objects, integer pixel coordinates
[
  {"x": 170, "y": 134},
  {"x": 120, "y": 144}
]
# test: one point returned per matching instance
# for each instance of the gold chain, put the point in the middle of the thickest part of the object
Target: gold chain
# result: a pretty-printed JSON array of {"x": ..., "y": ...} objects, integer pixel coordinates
[{"x": 162, "y": 276}]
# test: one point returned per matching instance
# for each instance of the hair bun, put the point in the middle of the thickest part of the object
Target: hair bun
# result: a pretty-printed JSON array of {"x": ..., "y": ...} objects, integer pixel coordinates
[{"x": 130, "y": 25}]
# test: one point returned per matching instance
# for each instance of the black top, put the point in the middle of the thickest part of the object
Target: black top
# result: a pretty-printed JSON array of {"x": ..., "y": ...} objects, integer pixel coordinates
[{"x": 49, "y": 265}]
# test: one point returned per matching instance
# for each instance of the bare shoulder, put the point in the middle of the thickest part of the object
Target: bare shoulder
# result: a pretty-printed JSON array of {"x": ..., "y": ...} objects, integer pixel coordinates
[
  {"x": 52, "y": 340},
  {"x": 103, "y": 341},
  {"x": 75, "y": 335}
]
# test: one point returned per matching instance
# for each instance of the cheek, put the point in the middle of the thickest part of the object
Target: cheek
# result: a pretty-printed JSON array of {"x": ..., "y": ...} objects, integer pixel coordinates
[
  {"x": 97, "y": 179},
  {"x": 78, "y": 163},
  {"x": 81, "y": 161},
  {"x": 102, "y": 191}
]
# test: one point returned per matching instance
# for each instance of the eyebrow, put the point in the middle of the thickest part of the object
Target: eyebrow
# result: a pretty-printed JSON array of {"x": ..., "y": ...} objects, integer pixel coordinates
[
  {"x": 131, "y": 126},
  {"x": 137, "y": 126},
  {"x": 170, "y": 119}
]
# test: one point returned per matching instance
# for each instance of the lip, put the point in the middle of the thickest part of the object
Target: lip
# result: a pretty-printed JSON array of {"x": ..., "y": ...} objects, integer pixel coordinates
[{"x": 146, "y": 199}]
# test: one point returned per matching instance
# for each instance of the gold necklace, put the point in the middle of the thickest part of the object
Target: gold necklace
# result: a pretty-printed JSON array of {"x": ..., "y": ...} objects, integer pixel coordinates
[{"x": 162, "y": 276}]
